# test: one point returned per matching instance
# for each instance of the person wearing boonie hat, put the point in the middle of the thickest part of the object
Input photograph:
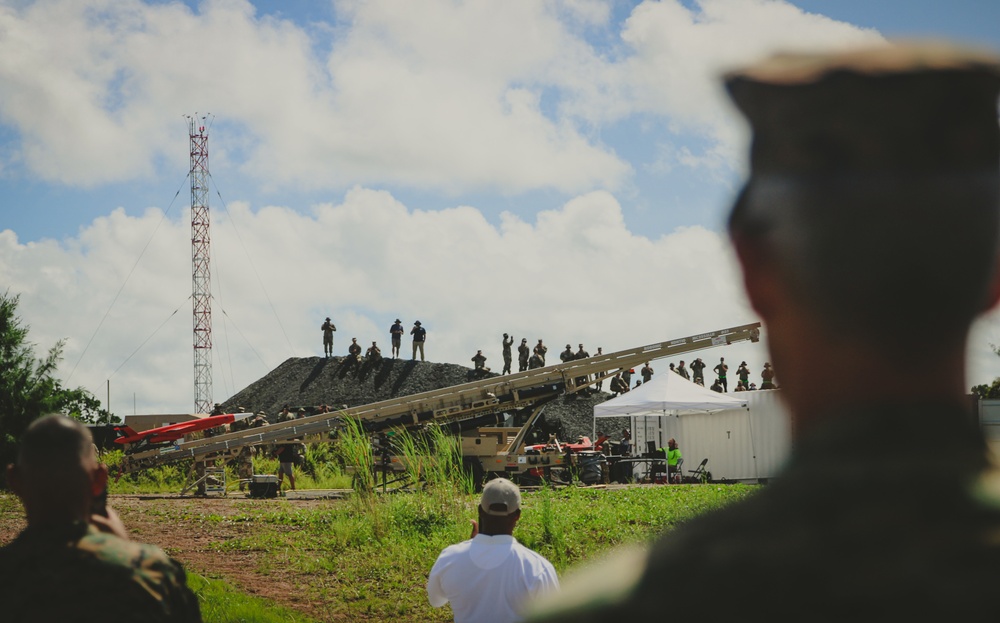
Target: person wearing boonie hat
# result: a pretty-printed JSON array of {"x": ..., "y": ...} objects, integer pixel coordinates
[
  {"x": 396, "y": 335},
  {"x": 566, "y": 355},
  {"x": 868, "y": 235},
  {"x": 328, "y": 328},
  {"x": 419, "y": 334},
  {"x": 491, "y": 577},
  {"x": 743, "y": 374}
]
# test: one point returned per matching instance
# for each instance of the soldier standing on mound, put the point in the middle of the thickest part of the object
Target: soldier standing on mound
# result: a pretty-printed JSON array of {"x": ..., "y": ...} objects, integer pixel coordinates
[
  {"x": 328, "y": 328},
  {"x": 523, "y": 353},
  {"x": 507, "y": 357}
]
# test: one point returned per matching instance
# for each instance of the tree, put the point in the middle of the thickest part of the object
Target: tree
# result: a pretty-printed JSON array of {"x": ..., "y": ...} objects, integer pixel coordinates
[
  {"x": 988, "y": 392},
  {"x": 991, "y": 391},
  {"x": 28, "y": 388}
]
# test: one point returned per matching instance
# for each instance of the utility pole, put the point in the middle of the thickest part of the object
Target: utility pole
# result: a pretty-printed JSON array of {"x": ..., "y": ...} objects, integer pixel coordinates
[{"x": 201, "y": 291}]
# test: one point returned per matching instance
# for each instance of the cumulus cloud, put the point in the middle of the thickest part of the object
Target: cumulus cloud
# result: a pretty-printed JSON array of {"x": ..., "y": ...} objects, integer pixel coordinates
[
  {"x": 442, "y": 96},
  {"x": 432, "y": 95},
  {"x": 677, "y": 54},
  {"x": 574, "y": 274}
]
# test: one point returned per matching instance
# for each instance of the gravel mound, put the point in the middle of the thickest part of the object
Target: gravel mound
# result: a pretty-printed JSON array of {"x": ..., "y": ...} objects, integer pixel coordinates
[{"x": 312, "y": 381}]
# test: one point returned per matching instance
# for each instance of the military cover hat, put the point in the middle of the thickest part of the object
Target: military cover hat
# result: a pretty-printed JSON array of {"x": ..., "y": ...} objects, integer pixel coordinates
[{"x": 924, "y": 111}]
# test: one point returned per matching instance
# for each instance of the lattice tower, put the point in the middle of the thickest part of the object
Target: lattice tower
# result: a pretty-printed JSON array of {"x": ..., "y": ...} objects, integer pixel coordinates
[{"x": 201, "y": 293}]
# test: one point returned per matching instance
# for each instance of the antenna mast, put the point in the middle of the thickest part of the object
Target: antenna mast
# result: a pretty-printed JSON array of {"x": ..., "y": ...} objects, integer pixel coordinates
[{"x": 201, "y": 294}]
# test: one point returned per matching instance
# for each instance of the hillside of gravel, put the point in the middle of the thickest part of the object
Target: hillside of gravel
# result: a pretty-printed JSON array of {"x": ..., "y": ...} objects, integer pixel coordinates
[{"x": 313, "y": 381}]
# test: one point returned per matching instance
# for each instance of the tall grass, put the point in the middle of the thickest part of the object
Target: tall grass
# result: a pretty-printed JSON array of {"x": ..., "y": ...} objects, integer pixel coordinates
[
  {"x": 433, "y": 458},
  {"x": 355, "y": 446},
  {"x": 320, "y": 469},
  {"x": 552, "y": 531}
]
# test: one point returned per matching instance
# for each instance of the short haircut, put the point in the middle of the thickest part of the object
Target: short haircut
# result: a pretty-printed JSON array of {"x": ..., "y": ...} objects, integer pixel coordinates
[{"x": 54, "y": 444}]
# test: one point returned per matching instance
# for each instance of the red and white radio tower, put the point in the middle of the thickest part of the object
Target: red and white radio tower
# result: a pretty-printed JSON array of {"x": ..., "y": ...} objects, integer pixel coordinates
[{"x": 201, "y": 292}]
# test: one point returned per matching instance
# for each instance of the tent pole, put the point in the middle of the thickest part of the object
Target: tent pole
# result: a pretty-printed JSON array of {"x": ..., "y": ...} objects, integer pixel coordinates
[{"x": 753, "y": 450}]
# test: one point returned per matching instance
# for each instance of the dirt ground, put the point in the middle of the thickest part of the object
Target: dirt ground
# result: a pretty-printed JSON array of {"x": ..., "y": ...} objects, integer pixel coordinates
[{"x": 191, "y": 542}]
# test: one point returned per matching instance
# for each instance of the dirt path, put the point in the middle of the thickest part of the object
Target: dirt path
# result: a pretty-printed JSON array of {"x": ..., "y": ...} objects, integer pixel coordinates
[{"x": 178, "y": 526}]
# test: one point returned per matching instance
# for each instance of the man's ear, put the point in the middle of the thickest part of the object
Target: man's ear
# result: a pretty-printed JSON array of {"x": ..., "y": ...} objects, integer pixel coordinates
[
  {"x": 14, "y": 480},
  {"x": 98, "y": 479},
  {"x": 993, "y": 296},
  {"x": 761, "y": 277}
]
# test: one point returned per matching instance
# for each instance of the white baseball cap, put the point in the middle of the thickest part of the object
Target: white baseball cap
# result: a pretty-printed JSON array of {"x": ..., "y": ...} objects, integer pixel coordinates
[{"x": 501, "y": 497}]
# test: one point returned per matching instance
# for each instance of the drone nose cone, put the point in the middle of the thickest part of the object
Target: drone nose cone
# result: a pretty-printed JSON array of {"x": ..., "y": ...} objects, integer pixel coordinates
[{"x": 241, "y": 416}]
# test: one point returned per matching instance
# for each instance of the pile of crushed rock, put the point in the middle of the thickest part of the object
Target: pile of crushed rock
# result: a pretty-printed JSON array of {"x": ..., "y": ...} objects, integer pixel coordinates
[{"x": 336, "y": 382}]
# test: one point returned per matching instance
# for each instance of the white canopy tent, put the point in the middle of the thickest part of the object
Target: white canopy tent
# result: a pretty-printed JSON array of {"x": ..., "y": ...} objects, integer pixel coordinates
[
  {"x": 667, "y": 394},
  {"x": 721, "y": 427}
]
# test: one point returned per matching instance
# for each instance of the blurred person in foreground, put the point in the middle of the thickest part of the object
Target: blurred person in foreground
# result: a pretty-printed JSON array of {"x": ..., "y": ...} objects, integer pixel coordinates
[
  {"x": 74, "y": 562},
  {"x": 867, "y": 235},
  {"x": 489, "y": 578}
]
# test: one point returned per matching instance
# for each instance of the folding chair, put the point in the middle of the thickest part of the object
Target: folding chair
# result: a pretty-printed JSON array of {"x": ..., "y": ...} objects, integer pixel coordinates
[{"x": 700, "y": 474}]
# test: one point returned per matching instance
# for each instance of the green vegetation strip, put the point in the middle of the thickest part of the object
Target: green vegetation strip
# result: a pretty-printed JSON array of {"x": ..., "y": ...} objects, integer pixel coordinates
[
  {"x": 221, "y": 603},
  {"x": 369, "y": 558}
]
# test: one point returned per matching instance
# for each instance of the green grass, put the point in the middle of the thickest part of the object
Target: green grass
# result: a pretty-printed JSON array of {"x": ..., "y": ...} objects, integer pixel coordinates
[
  {"x": 367, "y": 557},
  {"x": 221, "y": 603}
]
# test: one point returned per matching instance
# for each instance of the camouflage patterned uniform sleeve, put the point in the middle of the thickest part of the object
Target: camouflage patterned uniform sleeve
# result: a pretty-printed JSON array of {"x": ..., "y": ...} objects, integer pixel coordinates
[
  {"x": 158, "y": 575},
  {"x": 76, "y": 573}
]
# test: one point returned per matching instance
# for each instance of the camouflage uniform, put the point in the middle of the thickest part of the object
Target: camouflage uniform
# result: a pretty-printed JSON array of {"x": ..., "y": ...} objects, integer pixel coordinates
[
  {"x": 244, "y": 466},
  {"x": 77, "y": 574},
  {"x": 870, "y": 522},
  {"x": 199, "y": 476}
]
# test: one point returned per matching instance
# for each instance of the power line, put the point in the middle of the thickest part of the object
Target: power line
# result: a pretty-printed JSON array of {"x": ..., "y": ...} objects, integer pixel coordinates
[
  {"x": 235, "y": 326},
  {"x": 155, "y": 331},
  {"x": 252, "y": 266},
  {"x": 127, "y": 277}
]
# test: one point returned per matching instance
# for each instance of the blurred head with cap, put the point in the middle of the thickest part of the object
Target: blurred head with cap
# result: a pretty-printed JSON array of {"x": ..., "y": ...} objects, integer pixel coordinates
[
  {"x": 870, "y": 217},
  {"x": 862, "y": 160}
]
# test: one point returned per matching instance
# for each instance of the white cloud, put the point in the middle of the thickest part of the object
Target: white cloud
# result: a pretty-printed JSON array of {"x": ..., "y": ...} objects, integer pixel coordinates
[
  {"x": 678, "y": 54},
  {"x": 575, "y": 274},
  {"x": 432, "y": 94}
]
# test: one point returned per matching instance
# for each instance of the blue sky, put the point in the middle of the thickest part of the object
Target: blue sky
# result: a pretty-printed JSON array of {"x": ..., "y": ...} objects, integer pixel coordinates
[
  {"x": 655, "y": 201},
  {"x": 377, "y": 159}
]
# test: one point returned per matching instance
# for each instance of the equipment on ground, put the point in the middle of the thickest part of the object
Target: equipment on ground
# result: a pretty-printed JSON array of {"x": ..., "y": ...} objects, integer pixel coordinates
[{"x": 263, "y": 486}]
